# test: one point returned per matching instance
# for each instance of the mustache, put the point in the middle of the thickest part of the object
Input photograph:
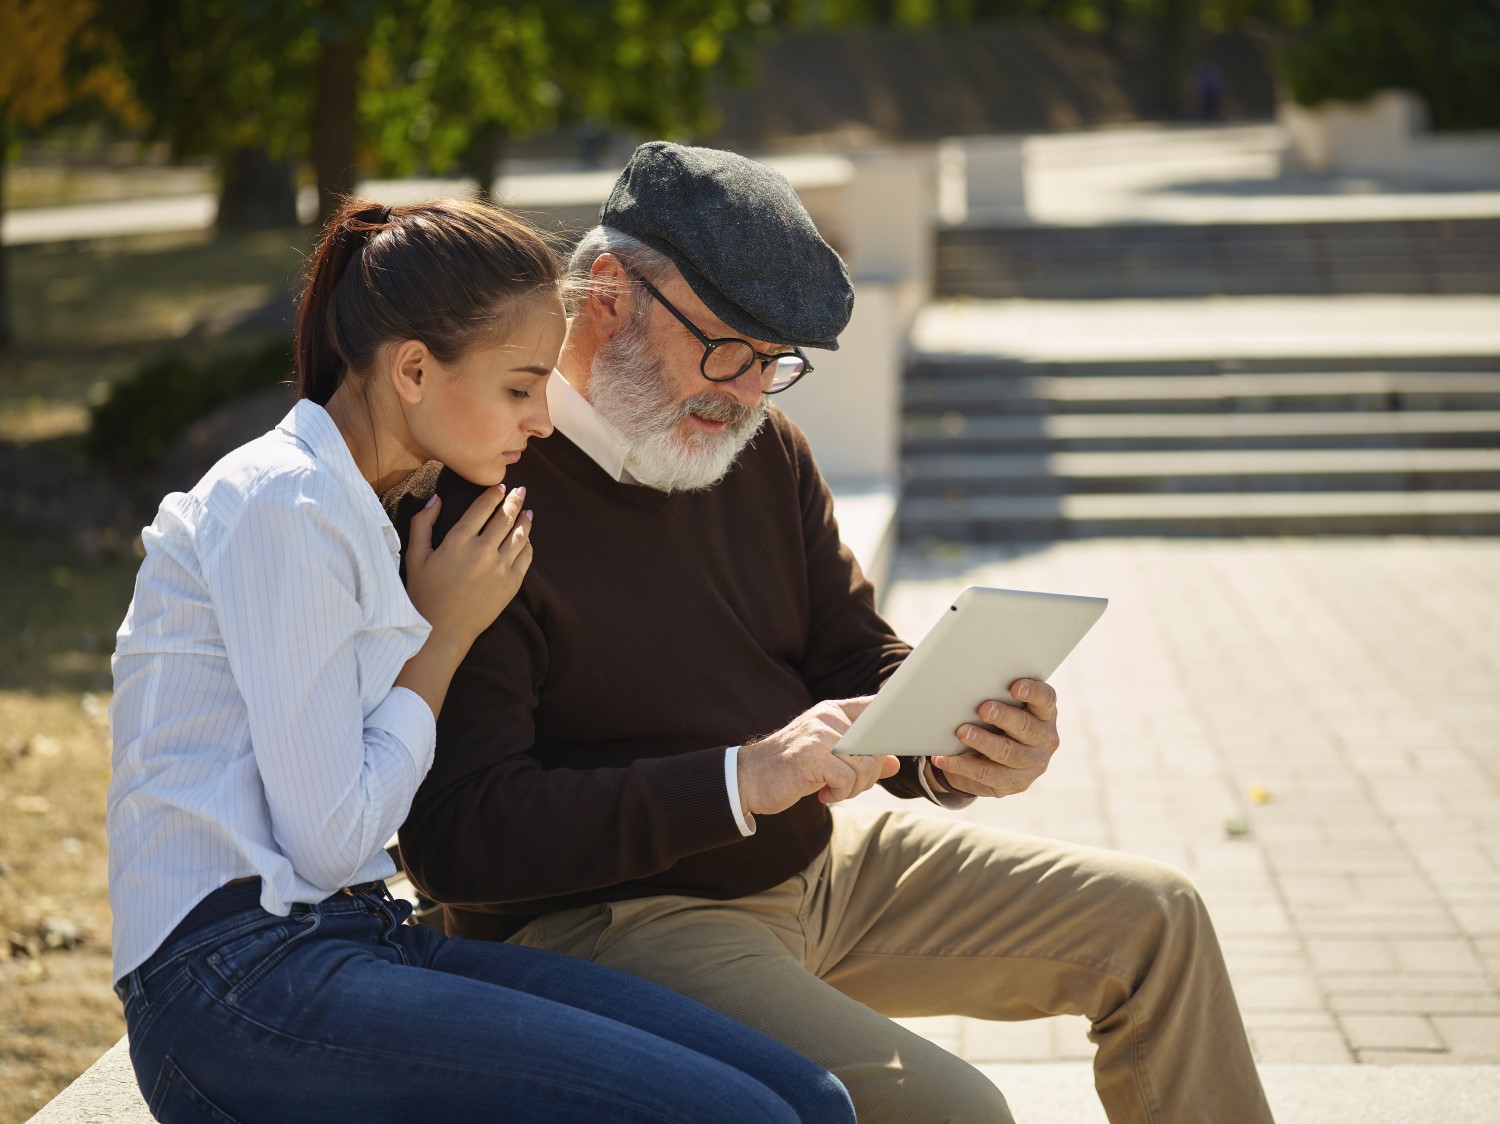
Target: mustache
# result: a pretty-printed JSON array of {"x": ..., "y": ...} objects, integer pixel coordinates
[{"x": 716, "y": 407}]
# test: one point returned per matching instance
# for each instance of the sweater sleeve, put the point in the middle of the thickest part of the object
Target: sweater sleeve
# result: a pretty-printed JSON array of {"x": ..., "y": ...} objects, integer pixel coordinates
[
  {"x": 492, "y": 825},
  {"x": 851, "y": 650}
]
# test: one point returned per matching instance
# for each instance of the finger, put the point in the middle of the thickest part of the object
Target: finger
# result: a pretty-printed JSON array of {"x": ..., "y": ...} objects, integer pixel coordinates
[
  {"x": 419, "y": 540},
  {"x": 1038, "y": 696},
  {"x": 1019, "y": 724},
  {"x": 839, "y": 779},
  {"x": 867, "y": 770},
  {"x": 890, "y": 768},
  {"x": 970, "y": 773},
  {"x": 516, "y": 542},
  {"x": 971, "y": 788},
  {"x": 1003, "y": 750},
  {"x": 473, "y": 520},
  {"x": 497, "y": 531},
  {"x": 853, "y": 708},
  {"x": 523, "y": 560}
]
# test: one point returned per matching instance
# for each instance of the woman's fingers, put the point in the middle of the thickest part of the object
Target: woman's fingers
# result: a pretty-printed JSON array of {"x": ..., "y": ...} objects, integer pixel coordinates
[
  {"x": 473, "y": 521},
  {"x": 517, "y": 541},
  {"x": 419, "y": 543},
  {"x": 498, "y": 530}
]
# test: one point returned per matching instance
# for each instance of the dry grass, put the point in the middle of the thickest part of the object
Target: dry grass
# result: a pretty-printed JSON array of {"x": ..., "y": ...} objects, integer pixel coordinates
[
  {"x": 86, "y": 314},
  {"x": 56, "y": 1009}
]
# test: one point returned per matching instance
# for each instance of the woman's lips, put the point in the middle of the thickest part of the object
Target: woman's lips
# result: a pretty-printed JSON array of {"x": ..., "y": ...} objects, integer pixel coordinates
[{"x": 512, "y": 455}]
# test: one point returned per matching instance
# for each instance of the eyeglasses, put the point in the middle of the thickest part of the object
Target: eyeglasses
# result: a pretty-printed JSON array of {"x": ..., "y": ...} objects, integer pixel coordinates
[{"x": 730, "y": 357}]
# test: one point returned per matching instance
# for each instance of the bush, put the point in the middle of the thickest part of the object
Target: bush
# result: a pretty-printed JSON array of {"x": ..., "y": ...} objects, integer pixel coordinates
[
  {"x": 134, "y": 427},
  {"x": 1446, "y": 50}
]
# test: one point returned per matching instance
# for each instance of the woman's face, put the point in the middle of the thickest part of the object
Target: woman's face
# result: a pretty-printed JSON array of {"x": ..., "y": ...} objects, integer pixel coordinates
[{"x": 478, "y": 413}]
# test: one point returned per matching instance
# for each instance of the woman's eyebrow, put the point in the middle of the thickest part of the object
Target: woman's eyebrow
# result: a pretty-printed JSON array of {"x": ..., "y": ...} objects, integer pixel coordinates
[{"x": 535, "y": 369}]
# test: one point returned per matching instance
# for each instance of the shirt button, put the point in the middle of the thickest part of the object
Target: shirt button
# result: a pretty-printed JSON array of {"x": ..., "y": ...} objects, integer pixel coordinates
[{"x": 214, "y": 958}]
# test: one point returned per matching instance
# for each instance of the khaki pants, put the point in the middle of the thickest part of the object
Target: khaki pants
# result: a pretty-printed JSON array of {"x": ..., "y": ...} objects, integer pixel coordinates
[{"x": 912, "y": 915}]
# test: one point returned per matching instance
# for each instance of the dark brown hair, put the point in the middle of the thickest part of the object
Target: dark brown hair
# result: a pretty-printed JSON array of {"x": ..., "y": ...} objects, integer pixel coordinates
[{"x": 447, "y": 273}]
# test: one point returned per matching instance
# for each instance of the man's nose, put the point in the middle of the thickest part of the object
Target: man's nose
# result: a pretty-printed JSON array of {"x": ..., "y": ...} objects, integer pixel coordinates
[{"x": 748, "y": 386}]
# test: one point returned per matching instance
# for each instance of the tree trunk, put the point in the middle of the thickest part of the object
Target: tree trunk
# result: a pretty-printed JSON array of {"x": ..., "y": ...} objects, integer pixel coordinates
[
  {"x": 337, "y": 92},
  {"x": 1114, "y": 22},
  {"x": 256, "y": 192},
  {"x": 5, "y": 334},
  {"x": 485, "y": 153},
  {"x": 1176, "y": 43}
]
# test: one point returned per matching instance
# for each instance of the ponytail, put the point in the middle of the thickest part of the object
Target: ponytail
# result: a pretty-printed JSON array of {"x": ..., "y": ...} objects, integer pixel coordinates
[{"x": 446, "y": 272}]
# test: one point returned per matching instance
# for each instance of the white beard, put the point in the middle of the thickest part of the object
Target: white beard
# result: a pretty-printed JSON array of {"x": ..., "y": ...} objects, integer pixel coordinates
[{"x": 627, "y": 388}]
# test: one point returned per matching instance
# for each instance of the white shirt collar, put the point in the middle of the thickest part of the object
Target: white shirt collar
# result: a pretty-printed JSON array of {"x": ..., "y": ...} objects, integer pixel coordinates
[{"x": 575, "y": 418}]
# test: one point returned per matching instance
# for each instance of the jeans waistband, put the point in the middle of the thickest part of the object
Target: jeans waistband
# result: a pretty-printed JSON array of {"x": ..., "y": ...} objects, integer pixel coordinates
[
  {"x": 226, "y": 901},
  {"x": 241, "y": 896}
]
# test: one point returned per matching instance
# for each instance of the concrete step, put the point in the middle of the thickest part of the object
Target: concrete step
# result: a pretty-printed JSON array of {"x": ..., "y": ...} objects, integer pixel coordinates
[
  {"x": 1150, "y": 260},
  {"x": 987, "y": 518},
  {"x": 1040, "y": 1093},
  {"x": 955, "y": 432},
  {"x": 1002, "y": 391},
  {"x": 1387, "y": 470}
]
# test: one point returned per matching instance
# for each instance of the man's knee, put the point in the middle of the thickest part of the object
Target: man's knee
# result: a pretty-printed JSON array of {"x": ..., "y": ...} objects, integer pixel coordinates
[{"x": 925, "y": 1084}]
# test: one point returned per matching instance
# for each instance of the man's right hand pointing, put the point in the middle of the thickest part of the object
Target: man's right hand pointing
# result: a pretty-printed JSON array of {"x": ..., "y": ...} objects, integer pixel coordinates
[{"x": 780, "y": 769}]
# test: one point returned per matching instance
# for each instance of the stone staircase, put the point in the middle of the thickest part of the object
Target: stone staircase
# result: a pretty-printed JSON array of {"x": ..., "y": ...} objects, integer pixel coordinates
[
  {"x": 1057, "y": 262},
  {"x": 1001, "y": 449}
]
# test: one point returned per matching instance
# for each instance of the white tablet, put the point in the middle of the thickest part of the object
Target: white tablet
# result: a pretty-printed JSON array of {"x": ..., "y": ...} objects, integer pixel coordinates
[{"x": 986, "y": 640}]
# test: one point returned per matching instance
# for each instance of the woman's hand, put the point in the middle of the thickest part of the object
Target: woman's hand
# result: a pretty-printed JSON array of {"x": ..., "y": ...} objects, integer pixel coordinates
[{"x": 461, "y": 586}]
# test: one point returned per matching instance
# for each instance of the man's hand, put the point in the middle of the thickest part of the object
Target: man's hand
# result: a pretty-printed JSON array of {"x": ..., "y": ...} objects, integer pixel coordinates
[
  {"x": 1005, "y": 763},
  {"x": 780, "y": 769}
]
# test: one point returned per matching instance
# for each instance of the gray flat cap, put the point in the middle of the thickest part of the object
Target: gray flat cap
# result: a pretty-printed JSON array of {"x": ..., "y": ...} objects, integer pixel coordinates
[{"x": 741, "y": 238}]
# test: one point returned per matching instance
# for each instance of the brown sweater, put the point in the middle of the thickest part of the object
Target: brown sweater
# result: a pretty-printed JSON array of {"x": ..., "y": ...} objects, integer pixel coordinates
[{"x": 580, "y": 752}]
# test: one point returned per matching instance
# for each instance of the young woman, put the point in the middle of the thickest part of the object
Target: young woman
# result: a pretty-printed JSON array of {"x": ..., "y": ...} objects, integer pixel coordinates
[{"x": 275, "y": 693}]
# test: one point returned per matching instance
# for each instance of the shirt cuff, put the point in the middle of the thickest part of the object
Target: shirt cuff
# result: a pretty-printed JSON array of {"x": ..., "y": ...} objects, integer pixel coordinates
[
  {"x": 745, "y": 823},
  {"x": 405, "y": 715},
  {"x": 949, "y": 799}
]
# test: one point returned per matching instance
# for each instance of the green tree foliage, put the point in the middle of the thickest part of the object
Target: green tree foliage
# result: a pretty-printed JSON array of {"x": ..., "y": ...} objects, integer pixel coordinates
[
  {"x": 395, "y": 85},
  {"x": 54, "y": 57},
  {"x": 449, "y": 80},
  {"x": 1446, "y": 50}
]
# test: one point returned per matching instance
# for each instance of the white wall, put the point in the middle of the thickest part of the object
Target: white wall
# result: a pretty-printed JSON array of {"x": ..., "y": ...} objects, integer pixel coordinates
[{"x": 1388, "y": 135}]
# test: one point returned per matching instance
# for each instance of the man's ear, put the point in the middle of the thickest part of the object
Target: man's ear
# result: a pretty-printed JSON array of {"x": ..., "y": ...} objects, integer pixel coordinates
[
  {"x": 410, "y": 370},
  {"x": 611, "y": 297}
]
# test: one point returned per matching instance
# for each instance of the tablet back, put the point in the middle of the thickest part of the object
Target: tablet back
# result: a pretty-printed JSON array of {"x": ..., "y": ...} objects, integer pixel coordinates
[{"x": 986, "y": 640}]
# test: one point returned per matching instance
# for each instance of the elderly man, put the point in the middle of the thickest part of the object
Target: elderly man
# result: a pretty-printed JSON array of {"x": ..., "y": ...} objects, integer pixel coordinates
[{"x": 634, "y": 763}]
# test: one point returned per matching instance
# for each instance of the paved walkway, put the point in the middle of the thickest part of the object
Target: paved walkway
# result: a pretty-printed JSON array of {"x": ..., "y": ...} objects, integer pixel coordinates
[{"x": 1311, "y": 729}]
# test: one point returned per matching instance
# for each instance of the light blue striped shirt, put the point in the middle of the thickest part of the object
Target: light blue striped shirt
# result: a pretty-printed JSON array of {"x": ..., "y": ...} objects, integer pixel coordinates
[{"x": 256, "y": 731}]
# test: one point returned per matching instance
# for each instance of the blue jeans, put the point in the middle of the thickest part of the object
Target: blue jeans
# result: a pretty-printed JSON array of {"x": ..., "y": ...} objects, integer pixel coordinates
[{"x": 340, "y": 1012}]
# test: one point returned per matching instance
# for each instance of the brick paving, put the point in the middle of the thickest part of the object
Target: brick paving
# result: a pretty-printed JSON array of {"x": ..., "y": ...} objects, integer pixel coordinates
[{"x": 1308, "y": 727}]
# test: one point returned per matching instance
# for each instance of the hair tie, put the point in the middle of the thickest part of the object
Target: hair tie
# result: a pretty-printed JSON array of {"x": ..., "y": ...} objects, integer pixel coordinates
[{"x": 373, "y": 216}]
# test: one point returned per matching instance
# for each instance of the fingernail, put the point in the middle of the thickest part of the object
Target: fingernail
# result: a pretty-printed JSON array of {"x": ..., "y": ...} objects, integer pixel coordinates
[
  {"x": 940, "y": 762},
  {"x": 968, "y": 733},
  {"x": 431, "y": 500},
  {"x": 992, "y": 712},
  {"x": 521, "y": 491},
  {"x": 1022, "y": 691},
  {"x": 528, "y": 515}
]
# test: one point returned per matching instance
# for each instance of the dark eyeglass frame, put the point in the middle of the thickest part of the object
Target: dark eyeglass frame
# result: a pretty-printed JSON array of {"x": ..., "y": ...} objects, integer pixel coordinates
[{"x": 712, "y": 345}]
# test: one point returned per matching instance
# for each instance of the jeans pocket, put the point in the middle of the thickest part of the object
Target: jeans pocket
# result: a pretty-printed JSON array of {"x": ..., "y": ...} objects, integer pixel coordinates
[
  {"x": 242, "y": 962},
  {"x": 174, "y": 1098}
]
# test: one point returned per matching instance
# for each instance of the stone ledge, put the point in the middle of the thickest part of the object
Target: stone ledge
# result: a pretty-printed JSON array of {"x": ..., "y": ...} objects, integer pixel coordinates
[{"x": 1042, "y": 1093}]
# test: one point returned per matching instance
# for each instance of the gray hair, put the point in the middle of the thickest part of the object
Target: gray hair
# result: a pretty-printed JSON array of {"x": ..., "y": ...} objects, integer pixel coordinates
[{"x": 637, "y": 257}]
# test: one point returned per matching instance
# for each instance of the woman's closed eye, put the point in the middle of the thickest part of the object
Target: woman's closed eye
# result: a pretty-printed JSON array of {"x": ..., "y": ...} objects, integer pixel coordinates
[{"x": 515, "y": 392}]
